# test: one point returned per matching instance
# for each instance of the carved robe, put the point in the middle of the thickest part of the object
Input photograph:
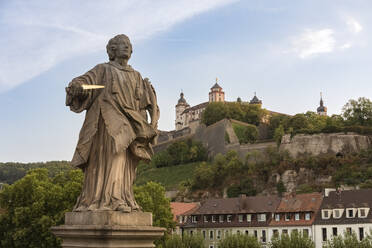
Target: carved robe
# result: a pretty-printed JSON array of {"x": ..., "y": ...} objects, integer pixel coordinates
[{"x": 115, "y": 135}]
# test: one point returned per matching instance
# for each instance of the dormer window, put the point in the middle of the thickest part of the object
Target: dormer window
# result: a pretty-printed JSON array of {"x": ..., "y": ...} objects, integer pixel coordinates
[
  {"x": 350, "y": 213},
  {"x": 277, "y": 217},
  {"x": 229, "y": 217},
  {"x": 240, "y": 216},
  {"x": 363, "y": 212},
  {"x": 326, "y": 214},
  {"x": 261, "y": 217},
  {"x": 213, "y": 218},
  {"x": 249, "y": 217},
  {"x": 297, "y": 216},
  {"x": 194, "y": 219},
  {"x": 287, "y": 217},
  {"x": 337, "y": 213},
  {"x": 307, "y": 216},
  {"x": 205, "y": 218},
  {"x": 220, "y": 218}
]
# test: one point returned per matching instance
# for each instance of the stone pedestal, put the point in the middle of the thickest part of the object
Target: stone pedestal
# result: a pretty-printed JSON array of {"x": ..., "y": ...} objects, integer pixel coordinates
[{"x": 108, "y": 229}]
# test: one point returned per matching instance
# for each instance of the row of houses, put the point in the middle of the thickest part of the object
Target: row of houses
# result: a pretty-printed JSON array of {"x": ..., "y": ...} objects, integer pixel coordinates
[{"x": 319, "y": 216}]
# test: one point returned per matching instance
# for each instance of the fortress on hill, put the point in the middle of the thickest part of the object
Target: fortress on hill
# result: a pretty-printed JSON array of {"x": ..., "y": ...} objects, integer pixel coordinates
[{"x": 190, "y": 117}]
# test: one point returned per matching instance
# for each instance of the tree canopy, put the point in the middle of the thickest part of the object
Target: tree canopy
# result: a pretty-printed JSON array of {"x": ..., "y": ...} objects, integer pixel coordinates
[
  {"x": 358, "y": 112},
  {"x": 249, "y": 113}
]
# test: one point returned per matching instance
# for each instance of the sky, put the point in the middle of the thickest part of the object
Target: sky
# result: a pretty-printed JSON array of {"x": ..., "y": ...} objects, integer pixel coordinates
[{"x": 286, "y": 51}]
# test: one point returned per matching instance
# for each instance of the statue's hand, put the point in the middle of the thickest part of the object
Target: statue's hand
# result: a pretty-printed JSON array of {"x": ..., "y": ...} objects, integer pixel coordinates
[{"x": 76, "y": 90}]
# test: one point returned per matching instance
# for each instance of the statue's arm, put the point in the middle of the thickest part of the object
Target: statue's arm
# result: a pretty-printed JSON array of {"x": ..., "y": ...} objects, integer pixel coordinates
[
  {"x": 77, "y": 98},
  {"x": 150, "y": 102}
]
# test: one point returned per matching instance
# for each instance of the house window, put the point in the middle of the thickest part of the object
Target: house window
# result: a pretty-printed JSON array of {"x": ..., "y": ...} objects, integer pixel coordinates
[
  {"x": 211, "y": 234},
  {"x": 226, "y": 233},
  {"x": 191, "y": 233},
  {"x": 307, "y": 216},
  {"x": 285, "y": 231},
  {"x": 213, "y": 218},
  {"x": 361, "y": 233},
  {"x": 277, "y": 217},
  {"x": 246, "y": 232},
  {"x": 324, "y": 234},
  {"x": 305, "y": 232},
  {"x": 287, "y": 217},
  {"x": 261, "y": 217},
  {"x": 219, "y": 234},
  {"x": 334, "y": 231},
  {"x": 297, "y": 216},
  {"x": 221, "y": 218},
  {"x": 204, "y": 234},
  {"x": 263, "y": 237},
  {"x": 211, "y": 246},
  {"x": 255, "y": 233},
  {"x": 205, "y": 218},
  {"x": 249, "y": 217},
  {"x": 294, "y": 231},
  {"x": 240, "y": 216},
  {"x": 348, "y": 230},
  {"x": 229, "y": 217},
  {"x": 275, "y": 233},
  {"x": 238, "y": 232}
]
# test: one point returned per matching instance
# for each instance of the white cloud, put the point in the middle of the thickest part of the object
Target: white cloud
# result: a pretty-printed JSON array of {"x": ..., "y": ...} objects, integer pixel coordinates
[
  {"x": 37, "y": 35},
  {"x": 313, "y": 42},
  {"x": 353, "y": 25}
]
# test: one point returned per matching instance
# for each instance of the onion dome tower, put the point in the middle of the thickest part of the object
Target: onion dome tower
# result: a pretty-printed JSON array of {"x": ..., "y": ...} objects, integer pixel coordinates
[
  {"x": 321, "y": 110},
  {"x": 180, "y": 107},
  {"x": 255, "y": 100}
]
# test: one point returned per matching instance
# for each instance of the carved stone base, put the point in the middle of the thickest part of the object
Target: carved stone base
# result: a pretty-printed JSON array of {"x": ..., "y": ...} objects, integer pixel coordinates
[{"x": 108, "y": 229}]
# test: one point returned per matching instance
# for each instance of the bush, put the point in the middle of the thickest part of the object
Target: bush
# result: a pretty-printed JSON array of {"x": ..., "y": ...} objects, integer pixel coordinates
[
  {"x": 245, "y": 133},
  {"x": 294, "y": 240},
  {"x": 180, "y": 152},
  {"x": 187, "y": 241},
  {"x": 239, "y": 241},
  {"x": 349, "y": 241}
]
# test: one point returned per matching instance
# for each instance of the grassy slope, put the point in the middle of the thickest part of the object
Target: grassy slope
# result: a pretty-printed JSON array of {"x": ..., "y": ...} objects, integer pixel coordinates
[{"x": 169, "y": 177}]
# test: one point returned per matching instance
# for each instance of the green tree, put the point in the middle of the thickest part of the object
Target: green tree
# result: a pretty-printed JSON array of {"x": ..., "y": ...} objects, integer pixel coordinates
[
  {"x": 278, "y": 134},
  {"x": 349, "y": 241},
  {"x": 214, "y": 112},
  {"x": 151, "y": 198},
  {"x": 239, "y": 241},
  {"x": 358, "y": 112},
  {"x": 187, "y": 241},
  {"x": 295, "y": 240},
  {"x": 35, "y": 203}
]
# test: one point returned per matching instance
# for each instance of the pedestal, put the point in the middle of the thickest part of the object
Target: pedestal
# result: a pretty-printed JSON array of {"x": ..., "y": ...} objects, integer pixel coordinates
[{"x": 108, "y": 229}]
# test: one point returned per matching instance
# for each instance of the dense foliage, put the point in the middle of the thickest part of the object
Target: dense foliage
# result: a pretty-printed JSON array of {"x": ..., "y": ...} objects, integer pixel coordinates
[
  {"x": 246, "y": 133},
  {"x": 35, "y": 203},
  {"x": 186, "y": 241},
  {"x": 255, "y": 173},
  {"x": 239, "y": 241},
  {"x": 349, "y": 241},
  {"x": 151, "y": 198},
  {"x": 294, "y": 240},
  {"x": 249, "y": 113},
  {"x": 356, "y": 117},
  {"x": 11, "y": 172},
  {"x": 180, "y": 152}
]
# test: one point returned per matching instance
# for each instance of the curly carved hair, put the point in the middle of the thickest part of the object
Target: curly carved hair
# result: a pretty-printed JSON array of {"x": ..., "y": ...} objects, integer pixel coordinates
[{"x": 111, "y": 45}]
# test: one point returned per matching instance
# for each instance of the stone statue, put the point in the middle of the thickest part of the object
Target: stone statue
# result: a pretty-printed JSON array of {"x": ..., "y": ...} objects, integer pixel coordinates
[{"x": 116, "y": 133}]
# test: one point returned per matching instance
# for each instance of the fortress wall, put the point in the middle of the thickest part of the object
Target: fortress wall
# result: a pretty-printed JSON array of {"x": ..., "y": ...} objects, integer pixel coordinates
[{"x": 332, "y": 143}]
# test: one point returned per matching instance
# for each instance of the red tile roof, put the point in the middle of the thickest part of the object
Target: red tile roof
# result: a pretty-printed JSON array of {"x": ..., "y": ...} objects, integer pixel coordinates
[{"x": 180, "y": 208}]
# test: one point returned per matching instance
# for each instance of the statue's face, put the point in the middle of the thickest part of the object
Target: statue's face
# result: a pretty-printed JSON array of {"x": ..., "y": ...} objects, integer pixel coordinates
[{"x": 123, "y": 49}]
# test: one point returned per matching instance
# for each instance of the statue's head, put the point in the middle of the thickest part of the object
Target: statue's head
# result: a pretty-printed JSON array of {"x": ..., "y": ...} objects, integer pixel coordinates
[{"x": 119, "y": 46}]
